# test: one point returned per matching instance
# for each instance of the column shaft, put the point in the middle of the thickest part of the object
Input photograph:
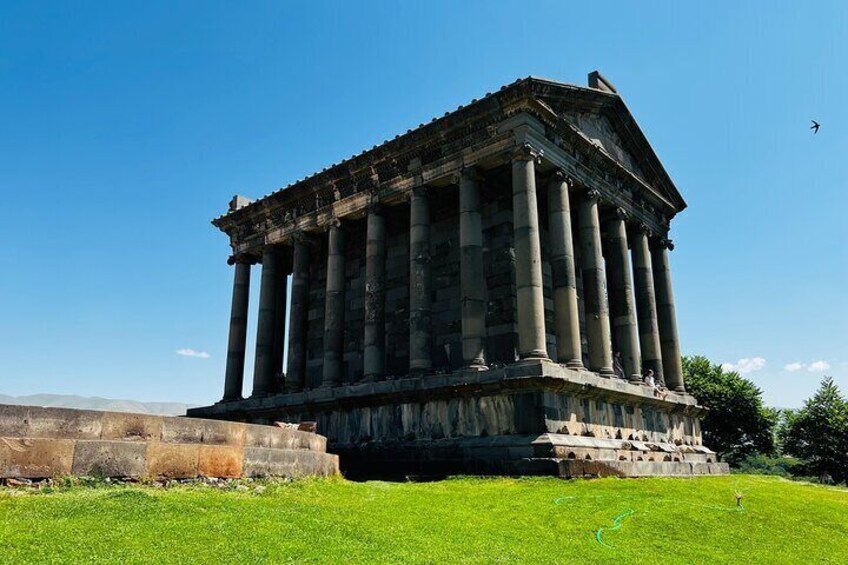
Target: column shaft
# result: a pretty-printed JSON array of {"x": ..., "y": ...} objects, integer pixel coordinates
[
  {"x": 374, "y": 334},
  {"x": 334, "y": 308},
  {"x": 263, "y": 370},
  {"x": 666, "y": 318},
  {"x": 566, "y": 315},
  {"x": 528, "y": 258},
  {"x": 420, "y": 310},
  {"x": 280, "y": 307},
  {"x": 646, "y": 305},
  {"x": 594, "y": 286},
  {"x": 234, "y": 376},
  {"x": 298, "y": 319},
  {"x": 622, "y": 310},
  {"x": 472, "y": 276}
]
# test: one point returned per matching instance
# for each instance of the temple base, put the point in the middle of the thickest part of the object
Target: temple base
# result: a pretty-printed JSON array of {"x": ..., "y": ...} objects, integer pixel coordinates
[{"x": 534, "y": 417}]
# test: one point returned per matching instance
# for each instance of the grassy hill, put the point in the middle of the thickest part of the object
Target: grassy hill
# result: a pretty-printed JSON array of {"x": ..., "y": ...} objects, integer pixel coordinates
[{"x": 456, "y": 521}]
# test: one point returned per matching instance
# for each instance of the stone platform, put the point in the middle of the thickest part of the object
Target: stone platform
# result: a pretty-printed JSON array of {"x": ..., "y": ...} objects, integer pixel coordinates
[
  {"x": 528, "y": 418},
  {"x": 49, "y": 442}
]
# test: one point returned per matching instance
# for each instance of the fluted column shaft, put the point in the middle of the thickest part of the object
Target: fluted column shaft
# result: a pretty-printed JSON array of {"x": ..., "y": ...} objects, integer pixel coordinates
[
  {"x": 298, "y": 318},
  {"x": 234, "y": 375},
  {"x": 594, "y": 286},
  {"x": 472, "y": 277},
  {"x": 334, "y": 307},
  {"x": 374, "y": 334},
  {"x": 622, "y": 310},
  {"x": 263, "y": 369},
  {"x": 646, "y": 304},
  {"x": 666, "y": 317},
  {"x": 420, "y": 309},
  {"x": 528, "y": 257}
]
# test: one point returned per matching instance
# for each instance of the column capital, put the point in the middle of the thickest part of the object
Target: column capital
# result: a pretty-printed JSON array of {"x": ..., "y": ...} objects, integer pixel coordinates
[
  {"x": 561, "y": 176},
  {"x": 241, "y": 259},
  {"x": 333, "y": 223},
  {"x": 592, "y": 194},
  {"x": 470, "y": 172},
  {"x": 621, "y": 214},
  {"x": 526, "y": 152},
  {"x": 420, "y": 190},
  {"x": 662, "y": 243},
  {"x": 376, "y": 207}
]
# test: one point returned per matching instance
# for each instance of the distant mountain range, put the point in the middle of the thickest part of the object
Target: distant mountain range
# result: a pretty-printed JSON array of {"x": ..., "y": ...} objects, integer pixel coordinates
[{"x": 95, "y": 403}]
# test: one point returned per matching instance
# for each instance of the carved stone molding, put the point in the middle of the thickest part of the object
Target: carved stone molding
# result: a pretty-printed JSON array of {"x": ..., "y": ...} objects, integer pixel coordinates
[{"x": 526, "y": 152}]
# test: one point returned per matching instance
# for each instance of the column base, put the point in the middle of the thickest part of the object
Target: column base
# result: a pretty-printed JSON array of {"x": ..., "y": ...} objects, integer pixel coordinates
[
  {"x": 680, "y": 389},
  {"x": 539, "y": 354},
  {"x": 575, "y": 364},
  {"x": 635, "y": 379},
  {"x": 226, "y": 400},
  {"x": 605, "y": 372},
  {"x": 475, "y": 367}
]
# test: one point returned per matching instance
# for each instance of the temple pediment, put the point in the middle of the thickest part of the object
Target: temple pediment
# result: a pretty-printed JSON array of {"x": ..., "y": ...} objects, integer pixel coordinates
[{"x": 598, "y": 129}]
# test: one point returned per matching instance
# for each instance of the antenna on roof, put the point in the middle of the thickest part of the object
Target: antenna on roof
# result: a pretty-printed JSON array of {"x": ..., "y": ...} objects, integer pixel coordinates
[{"x": 599, "y": 82}]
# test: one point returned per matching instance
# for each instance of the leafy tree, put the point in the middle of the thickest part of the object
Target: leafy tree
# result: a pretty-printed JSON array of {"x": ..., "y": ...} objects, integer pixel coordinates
[
  {"x": 818, "y": 433},
  {"x": 737, "y": 424}
]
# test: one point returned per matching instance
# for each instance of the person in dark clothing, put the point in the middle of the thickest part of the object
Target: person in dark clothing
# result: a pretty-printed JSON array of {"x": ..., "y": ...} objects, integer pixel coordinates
[{"x": 617, "y": 366}]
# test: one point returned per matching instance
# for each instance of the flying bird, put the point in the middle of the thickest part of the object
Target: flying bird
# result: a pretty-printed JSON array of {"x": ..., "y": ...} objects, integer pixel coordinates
[{"x": 814, "y": 127}]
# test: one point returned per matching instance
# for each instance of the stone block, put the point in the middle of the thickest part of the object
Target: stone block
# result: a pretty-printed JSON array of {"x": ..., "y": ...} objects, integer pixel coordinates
[
  {"x": 96, "y": 458},
  {"x": 192, "y": 430},
  {"x": 174, "y": 461},
  {"x": 131, "y": 427},
  {"x": 220, "y": 461},
  {"x": 255, "y": 462},
  {"x": 35, "y": 458},
  {"x": 64, "y": 423},
  {"x": 13, "y": 420}
]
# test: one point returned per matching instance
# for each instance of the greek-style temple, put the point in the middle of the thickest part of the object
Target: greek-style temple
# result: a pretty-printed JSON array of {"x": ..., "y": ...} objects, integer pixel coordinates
[{"x": 482, "y": 294}]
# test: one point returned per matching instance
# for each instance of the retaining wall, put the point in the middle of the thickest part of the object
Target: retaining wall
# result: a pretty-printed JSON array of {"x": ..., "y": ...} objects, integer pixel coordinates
[{"x": 48, "y": 442}]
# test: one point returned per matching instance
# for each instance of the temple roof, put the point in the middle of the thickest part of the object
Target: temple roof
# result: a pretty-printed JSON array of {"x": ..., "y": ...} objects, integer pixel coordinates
[{"x": 596, "y": 113}]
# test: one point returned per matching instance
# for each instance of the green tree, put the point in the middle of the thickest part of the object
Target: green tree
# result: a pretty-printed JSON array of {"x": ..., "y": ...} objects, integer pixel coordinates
[
  {"x": 818, "y": 433},
  {"x": 737, "y": 424}
]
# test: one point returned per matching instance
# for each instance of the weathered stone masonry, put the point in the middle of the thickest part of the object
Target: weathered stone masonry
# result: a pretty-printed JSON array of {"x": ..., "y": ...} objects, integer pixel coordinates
[{"x": 459, "y": 295}]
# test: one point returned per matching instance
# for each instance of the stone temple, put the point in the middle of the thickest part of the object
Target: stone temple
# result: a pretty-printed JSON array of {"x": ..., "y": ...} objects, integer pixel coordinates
[{"x": 481, "y": 294}]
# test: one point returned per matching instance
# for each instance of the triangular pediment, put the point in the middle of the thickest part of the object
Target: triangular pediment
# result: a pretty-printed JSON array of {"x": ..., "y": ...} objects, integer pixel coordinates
[
  {"x": 598, "y": 129},
  {"x": 602, "y": 119}
]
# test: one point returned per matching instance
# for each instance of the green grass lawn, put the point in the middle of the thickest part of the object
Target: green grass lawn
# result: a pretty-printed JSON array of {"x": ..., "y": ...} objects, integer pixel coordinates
[{"x": 456, "y": 521}]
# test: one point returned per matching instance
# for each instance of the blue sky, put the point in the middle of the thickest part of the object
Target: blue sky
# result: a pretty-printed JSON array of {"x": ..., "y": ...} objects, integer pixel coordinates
[{"x": 127, "y": 126}]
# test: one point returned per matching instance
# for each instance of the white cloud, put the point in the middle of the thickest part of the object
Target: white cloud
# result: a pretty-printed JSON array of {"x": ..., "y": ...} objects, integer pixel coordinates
[
  {"x": 746, "y": 365},
  {"x": 187, "y": 352},
  {"x": 814, "y": 367},
  {"x": 818, "y": 366}
]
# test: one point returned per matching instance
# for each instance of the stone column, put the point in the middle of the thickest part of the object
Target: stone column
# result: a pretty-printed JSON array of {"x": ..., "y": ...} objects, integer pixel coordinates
[
  {"x": 594, "y": 286},
  {"x": 472, "y": 277},
  {"x": 280, "y": 306},
  {"x": 299, "y": 317},
  {"x": 263, "y": 369},
  {"x": 566, "y": 316},
  {"x": 420, "y": 310},
  {"x": 528, "y": 256},
  {"x": 234, "y": 376},
  {"x": 374, "y": 332},
  {"x": 335, "y": 307},
  {"x": 622, "y": 311},
  {"x": 666, "y": 317},
  {"x": 646, "y": 303}
]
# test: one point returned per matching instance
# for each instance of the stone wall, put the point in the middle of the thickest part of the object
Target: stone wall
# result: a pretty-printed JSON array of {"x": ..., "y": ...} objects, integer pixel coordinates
[{"x": 49, "y": 442}]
